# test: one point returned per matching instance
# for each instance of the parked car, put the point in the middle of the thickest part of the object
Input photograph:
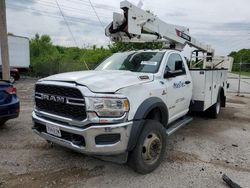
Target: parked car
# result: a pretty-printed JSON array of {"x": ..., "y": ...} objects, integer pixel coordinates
[
  {"x": 14, "y": 74},
  {"x": 9, "y": 102}
]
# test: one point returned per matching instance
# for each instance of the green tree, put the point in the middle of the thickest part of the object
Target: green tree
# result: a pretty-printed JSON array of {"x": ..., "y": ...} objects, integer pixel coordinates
[
  {"x": 44, "y": 56},
  {"x": 47, "y": 59},
  {"x": 243, "y": 56}
]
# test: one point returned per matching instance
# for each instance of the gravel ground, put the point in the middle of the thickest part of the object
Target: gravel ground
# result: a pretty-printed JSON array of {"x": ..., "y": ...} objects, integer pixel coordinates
[{"x": 197, "y": 155}]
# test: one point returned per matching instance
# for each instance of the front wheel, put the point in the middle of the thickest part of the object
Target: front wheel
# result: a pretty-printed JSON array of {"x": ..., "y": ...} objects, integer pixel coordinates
[{"x": 150, "y": 148}]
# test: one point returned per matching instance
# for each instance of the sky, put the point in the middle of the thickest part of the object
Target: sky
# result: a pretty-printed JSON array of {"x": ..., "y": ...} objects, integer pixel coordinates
[{"x": 224, "y": 24}]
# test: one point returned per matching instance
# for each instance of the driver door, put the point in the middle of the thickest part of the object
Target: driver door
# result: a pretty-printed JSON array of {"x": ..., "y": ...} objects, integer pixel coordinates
[{"x": 179, "y": 87}]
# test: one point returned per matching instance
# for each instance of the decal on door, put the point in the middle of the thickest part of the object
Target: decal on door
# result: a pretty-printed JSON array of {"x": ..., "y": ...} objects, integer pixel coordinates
[{"x": 179, "y": 84}]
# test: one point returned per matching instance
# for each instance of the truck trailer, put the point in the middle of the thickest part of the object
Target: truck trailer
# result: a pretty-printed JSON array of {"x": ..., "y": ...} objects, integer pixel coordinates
[{"x": 19, "y": 52}]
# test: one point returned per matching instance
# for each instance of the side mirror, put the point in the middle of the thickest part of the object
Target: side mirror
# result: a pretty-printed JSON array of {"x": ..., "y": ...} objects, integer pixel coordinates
[
  {"x": 171, "y": 74},
  {"x": 178, "y": 65},
  {"x": 168, "y": 74}
]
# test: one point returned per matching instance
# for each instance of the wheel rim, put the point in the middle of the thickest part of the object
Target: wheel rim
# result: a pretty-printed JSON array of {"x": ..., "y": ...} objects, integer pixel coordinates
[
  {"x": 151, "y": 149},
  {"x": 218, "y": 107}
]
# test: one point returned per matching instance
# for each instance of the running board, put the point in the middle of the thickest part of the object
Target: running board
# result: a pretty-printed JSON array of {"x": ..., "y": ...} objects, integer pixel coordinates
[{"x": 178, "y": 124}]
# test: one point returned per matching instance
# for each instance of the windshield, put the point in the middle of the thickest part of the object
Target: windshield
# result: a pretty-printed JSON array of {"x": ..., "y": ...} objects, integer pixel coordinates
[{"x": 147, "y": 62}]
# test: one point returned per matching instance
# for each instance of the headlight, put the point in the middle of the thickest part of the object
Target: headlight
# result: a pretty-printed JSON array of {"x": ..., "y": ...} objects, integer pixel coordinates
[{"x": 108, "y": 107}]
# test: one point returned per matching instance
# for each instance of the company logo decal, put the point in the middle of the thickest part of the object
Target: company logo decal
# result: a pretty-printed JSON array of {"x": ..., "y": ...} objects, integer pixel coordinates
[{"x": 178, "y": 85}]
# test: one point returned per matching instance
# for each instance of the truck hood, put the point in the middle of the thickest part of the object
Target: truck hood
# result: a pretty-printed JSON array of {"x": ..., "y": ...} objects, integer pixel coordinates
[{"x": 108, "y": 81}]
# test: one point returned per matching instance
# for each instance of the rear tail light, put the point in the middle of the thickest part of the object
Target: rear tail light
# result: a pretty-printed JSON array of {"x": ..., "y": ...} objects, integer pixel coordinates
[{"x": 11, "y": 90}]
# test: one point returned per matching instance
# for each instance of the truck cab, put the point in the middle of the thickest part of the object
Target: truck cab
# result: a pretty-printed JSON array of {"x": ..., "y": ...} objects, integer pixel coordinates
[{"x": 165, "y": 73}]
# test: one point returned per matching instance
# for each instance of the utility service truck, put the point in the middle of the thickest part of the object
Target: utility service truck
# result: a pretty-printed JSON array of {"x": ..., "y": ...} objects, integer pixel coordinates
[{"x": 125, "y": 109}]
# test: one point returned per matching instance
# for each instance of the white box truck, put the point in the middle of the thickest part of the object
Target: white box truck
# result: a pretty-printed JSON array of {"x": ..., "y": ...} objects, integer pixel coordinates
[
  {"x": 19, "y": 52},
  {"x": 19, "y": 56}
]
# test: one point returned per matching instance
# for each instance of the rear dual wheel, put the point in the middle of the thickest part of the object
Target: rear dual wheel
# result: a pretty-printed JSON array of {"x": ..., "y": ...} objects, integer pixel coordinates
[
  {"x": 214, "y": 110},
  {"x": 150, "y": 148}
]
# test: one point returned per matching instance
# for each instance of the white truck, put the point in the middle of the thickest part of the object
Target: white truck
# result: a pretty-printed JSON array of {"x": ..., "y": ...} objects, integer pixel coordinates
[
  {"x": 19, "y": 52},
  {"x": 125, "y": 109}
]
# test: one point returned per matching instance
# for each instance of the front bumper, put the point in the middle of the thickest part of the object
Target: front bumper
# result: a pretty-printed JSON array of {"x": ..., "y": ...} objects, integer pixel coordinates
[{"x": 90, "y": 145}]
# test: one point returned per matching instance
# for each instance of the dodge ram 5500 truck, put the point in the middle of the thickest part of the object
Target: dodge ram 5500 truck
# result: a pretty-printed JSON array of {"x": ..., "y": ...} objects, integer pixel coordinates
[
  {"x": 127, "y": 106},
  {"x": 124, "y": 110}
]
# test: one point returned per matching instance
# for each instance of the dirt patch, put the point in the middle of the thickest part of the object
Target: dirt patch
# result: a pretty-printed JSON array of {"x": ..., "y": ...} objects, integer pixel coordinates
[
  {"x": 236, "y": 113},
  {"x": 235, "y": 101},
  {"x": 182, "y": 157},
  {"x": 37, "y": 146},
  {"x": 51, "y": 177},
  {"x": 230, "y": 165}
]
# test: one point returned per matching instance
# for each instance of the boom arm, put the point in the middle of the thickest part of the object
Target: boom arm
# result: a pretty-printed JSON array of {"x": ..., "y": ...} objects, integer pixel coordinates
[{"x": 137, "y": 25}]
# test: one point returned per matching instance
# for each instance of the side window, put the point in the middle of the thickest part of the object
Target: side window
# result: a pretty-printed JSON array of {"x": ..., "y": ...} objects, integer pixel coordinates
[{"x": 175, "y": 63}]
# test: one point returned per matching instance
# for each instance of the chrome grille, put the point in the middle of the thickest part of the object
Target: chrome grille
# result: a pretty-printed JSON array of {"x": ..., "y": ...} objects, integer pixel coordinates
[{"x": 60, "y": 100}]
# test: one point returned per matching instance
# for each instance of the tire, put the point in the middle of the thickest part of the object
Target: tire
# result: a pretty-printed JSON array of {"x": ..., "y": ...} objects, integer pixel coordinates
[
  {"x": 2, "y": 122},
  {"x": 150, "y": 148},
  {"x": 214, "y": 110}
]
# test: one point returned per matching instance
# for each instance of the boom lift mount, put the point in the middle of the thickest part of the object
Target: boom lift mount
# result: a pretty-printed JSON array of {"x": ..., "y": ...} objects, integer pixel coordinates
[{"x": 137, "y": 25}]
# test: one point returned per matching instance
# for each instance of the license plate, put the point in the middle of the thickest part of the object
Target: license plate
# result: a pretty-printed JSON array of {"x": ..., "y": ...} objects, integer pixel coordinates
[{"x": 54, "y": 130}]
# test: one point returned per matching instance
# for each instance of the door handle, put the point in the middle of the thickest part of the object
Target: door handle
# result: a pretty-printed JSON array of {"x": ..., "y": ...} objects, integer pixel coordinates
[{"x": 187, "y": 82}]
